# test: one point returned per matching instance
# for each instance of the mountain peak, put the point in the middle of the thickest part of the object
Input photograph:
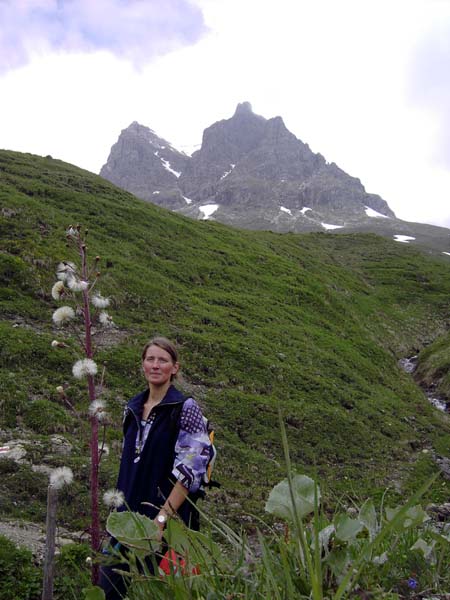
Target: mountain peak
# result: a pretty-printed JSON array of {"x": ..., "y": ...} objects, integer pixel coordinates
[{"x": 243, "y": 108}]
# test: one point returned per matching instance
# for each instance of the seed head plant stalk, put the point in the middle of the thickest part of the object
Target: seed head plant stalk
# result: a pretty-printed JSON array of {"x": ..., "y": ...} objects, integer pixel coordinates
[
  {"x": 58, "y": 479},
  {"x": 73, "y": 282}
]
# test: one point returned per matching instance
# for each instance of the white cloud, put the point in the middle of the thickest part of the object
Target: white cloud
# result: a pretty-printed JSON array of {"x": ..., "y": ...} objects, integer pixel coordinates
[{"x": 136, "y": 30}]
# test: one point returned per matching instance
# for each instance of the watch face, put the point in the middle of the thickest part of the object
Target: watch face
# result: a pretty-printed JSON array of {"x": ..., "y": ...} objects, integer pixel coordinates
[{"x": 161, "y": 519}]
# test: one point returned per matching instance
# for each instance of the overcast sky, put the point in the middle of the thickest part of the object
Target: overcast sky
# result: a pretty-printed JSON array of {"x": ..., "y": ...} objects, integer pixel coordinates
[{"x": 365, "y": 83}]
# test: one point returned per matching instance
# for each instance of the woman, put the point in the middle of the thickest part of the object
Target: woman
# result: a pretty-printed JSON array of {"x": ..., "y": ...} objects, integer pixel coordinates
[{"x": 166, "y": 449}]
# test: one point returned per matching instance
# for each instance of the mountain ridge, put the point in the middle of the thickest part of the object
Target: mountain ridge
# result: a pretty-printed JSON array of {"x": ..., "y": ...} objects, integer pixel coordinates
[{"x": 252, "y": 172}]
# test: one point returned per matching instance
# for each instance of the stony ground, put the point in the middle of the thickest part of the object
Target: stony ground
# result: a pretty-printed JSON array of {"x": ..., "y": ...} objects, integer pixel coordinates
[{"x": 32, "y": 536}]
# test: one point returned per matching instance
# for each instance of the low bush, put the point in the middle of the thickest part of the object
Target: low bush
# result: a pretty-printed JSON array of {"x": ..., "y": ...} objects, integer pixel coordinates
[
  {"x": 20, "y": 578},
  {"x": 43, "y": 416}
]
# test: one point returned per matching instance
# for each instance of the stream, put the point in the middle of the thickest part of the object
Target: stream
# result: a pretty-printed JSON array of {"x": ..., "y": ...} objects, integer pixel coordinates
[{"x": 409, "y": 366}]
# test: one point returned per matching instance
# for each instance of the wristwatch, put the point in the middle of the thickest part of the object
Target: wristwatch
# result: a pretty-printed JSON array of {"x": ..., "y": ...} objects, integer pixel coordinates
[{"x": 161, "y": 519}]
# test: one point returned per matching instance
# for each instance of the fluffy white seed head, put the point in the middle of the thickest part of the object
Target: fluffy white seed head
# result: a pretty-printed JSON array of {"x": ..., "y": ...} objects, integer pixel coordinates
[
  {"x": 77, "y": 285},
  {"x": 65, "y": 270},
  {"x": 84, "y": 367},
  {"x": 99, "y": 301},
  {"x": 58, "y": 290},
  {"x": 63, "y": 315},
  {"x": 105, "y": 319},
  {"x": 60, "y": 477},
  {"x": 97, "y": 409},
  {"x": 113, "y": 498},
  {"x": 60, "y": 389}
]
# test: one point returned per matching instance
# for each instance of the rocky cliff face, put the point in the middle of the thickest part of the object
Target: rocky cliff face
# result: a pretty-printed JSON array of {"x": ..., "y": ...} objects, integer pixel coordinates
[
  {"x": 147, "y": 166},
  {"x": 250, "y": 172}
]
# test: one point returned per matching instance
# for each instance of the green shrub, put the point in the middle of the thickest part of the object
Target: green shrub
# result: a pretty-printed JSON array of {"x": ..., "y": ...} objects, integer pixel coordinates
[
  {"x": 44, "y": 416},
  {"x": 20, "y": 579},
  {"x": 71, "y": 571}
]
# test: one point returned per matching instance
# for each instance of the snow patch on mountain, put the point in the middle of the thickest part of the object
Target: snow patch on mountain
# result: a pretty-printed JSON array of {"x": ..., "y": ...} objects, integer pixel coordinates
[
  {"x": 286, "y": 210},
  {"x": 166, "y": 165},
  {"x": 373, "y": 213},
  {"x": 228, "y": 172},
  {"x": 329, "y": 226},
  {"x": 403, "y": 238},
  {"x": 208, "y": 210}
]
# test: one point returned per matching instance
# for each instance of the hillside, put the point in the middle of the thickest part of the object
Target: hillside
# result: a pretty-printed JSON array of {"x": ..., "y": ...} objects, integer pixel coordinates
[
  {"x": 313, "y": 323},
  {"x": 253, "y": 173}
]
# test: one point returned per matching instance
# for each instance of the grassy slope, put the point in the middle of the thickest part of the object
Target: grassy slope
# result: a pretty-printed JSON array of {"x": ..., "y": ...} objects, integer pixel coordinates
[{"x": 312, "y": 323}]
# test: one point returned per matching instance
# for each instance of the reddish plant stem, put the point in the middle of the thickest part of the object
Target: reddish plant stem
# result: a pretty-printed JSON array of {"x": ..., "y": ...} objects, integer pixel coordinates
[{"x": 95, "y": 516}]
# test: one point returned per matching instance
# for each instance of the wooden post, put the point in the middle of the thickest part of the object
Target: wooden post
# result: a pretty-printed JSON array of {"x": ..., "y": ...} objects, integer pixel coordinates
[{"x": 49, "y": 561}]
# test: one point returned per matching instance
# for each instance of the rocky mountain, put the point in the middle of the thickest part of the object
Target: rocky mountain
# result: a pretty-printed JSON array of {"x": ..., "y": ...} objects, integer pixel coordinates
[{"x": 253, "y": 173}]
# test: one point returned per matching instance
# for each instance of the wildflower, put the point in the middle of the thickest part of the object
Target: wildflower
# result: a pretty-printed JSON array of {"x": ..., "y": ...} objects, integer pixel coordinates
[
  {"x": 89, "y": 561},
  {"x": 72, "y": 232},
  {"x": 97, "y": 410},
  {"x": 77, "y": 285},
  {"x": 60, "y": 389},
  {"x": 113, "y": 498},
  {"x": 84, "y": 367},
  {"x": 105, "y": 319},
  {"x": 63, "y": 314},
  {"x": 58, "y": 290},
  {"x": 60, "y": 477},
  {"x": 413, "y": 583},
  {"x": 99, "y": 301},
  {"x": 65, "y": 270}
]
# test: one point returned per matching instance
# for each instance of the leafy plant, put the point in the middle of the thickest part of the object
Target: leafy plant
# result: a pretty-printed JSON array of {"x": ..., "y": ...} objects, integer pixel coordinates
[
  {"x": 20, "y": 579},
  {"x": 315, "y": 557}
]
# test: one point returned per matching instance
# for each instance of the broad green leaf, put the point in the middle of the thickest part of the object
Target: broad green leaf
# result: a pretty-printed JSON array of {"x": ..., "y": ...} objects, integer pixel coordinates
[
  {"x": 198, "y": 547},
  {"x": 93, "y": 593},
  {"x": 133, "y": 530},
  {"x": 279, "y": 502},
  {"x": 324, "y": 538},
  {"x": 339, "y": 561},
  {"x": 425, "y": 548},
  {"x": 368, "y": 517},
  {"x": 413, "y": 517},
  {"x": 346, "y": 528}
]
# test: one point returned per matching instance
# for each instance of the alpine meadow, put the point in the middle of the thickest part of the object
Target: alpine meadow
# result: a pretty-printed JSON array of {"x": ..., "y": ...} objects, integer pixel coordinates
[{"x": 312, "y": 325}]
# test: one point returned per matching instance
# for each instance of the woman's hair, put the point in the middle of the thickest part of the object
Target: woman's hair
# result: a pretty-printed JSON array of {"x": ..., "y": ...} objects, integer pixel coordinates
[{"x": 164, "y": 344}]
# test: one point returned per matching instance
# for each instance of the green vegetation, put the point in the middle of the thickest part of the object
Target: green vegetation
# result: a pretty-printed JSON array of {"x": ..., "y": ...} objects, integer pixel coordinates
[
  {"x": 382, "y": 553},
  {"x": 312, "y": 323},
  {"x": 434, "y": 366},
  {"x": 20, "y": 580}
]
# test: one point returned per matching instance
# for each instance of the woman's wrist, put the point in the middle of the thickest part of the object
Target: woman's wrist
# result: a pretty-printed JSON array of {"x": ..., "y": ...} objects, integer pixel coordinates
[
  {"x": 162, "y": 518},
  {"x": 167, "y": 510}
]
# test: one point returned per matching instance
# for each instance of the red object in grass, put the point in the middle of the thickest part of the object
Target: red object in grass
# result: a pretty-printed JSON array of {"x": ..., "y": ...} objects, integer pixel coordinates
[{"x": 172, "y": 561}]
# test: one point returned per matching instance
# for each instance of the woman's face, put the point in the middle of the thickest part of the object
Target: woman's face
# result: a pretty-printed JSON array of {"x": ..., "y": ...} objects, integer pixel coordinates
[{"x": 158, "y": 366}]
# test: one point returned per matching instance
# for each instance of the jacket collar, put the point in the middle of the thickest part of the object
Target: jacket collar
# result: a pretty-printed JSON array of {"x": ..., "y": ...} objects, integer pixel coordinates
[{"x": 173, "y": 396}]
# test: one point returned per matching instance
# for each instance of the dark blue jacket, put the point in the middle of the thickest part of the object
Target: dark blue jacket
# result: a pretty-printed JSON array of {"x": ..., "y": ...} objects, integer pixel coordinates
[{"x": 150, "y": 479}]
